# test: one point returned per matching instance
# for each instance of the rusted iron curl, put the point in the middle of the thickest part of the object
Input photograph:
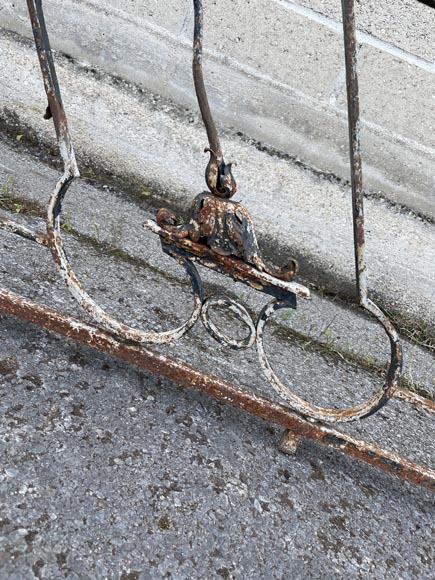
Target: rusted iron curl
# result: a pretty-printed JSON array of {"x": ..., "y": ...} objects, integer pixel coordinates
[
  {"x": 71, "y": 172},
  {"x": 239, "y": 310}
]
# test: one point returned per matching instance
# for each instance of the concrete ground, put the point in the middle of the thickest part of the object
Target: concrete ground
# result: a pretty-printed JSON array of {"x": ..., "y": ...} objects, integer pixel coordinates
[{"x": 110, "y": 472}]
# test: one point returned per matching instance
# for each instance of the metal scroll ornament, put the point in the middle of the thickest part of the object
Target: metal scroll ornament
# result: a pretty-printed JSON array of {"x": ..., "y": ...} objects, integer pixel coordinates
[{"x": 219, "y": 234}]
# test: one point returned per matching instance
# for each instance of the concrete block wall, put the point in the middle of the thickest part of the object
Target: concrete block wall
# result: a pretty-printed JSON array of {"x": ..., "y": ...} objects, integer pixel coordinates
[{"x": 275, "y": 72}]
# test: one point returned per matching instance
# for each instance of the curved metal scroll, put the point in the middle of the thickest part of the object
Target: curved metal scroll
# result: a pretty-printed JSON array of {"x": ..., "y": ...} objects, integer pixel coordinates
[
  {"x": 382, "y": 396},
  {"x": 221, "y": 184},
  {"x": 388, "y": 388},
  {"x": 315, "y": 412},
  {"x": 55, "y": 109},
  {"x": 237, "y": 309}
]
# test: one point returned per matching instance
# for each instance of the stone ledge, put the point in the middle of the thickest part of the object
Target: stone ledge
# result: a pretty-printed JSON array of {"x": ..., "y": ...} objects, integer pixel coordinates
[
  {"x": 124, "y": 133},
  {"x": 284, "y": 107}
]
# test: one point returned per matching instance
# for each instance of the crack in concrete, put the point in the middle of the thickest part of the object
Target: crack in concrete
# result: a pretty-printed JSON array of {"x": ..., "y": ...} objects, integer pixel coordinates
[{"x": 362, "y": 37}]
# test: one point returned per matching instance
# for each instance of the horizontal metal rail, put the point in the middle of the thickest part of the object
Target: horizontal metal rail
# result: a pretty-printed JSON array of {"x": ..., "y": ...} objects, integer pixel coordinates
[{"x": 216, "y": 387}]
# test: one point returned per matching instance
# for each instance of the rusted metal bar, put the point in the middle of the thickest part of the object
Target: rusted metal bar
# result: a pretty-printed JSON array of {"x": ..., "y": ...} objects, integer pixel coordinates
[
  {"x": 20, "y": 230},
  {"x": 350, "y": 54},
  {"x": 218, "y": 173},
  {"x": 186, "y": 375},
  {"x": 198, "y": 79},
  {"x": 56, "y": 110}
]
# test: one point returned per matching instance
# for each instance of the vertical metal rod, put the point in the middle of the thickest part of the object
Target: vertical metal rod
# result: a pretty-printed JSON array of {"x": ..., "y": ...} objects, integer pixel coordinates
[
  {"x": 198, "y": 79},
  {"x": 350, "y": 50},
  {"x": 55, "y": 105},
  {"x": 48, "y": 70}
]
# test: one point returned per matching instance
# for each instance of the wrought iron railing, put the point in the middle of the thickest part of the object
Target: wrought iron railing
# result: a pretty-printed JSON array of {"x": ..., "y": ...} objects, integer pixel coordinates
[{"x": 219, "y": 235}]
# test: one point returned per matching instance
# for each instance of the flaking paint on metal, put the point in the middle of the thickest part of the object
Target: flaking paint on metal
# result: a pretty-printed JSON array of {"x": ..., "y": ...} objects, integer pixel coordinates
[
  {"x": 221, "y": 184},
  {"x": 237, "y": 396}
]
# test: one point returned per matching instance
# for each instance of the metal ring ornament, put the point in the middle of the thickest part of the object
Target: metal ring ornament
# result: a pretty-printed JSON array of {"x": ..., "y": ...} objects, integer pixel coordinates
[
  {"x": 323, "y": 414},
  {"x": 54, "y": 238},
  {"x": 236, "y": 308},
  {"x": 108, "y": 322}
]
